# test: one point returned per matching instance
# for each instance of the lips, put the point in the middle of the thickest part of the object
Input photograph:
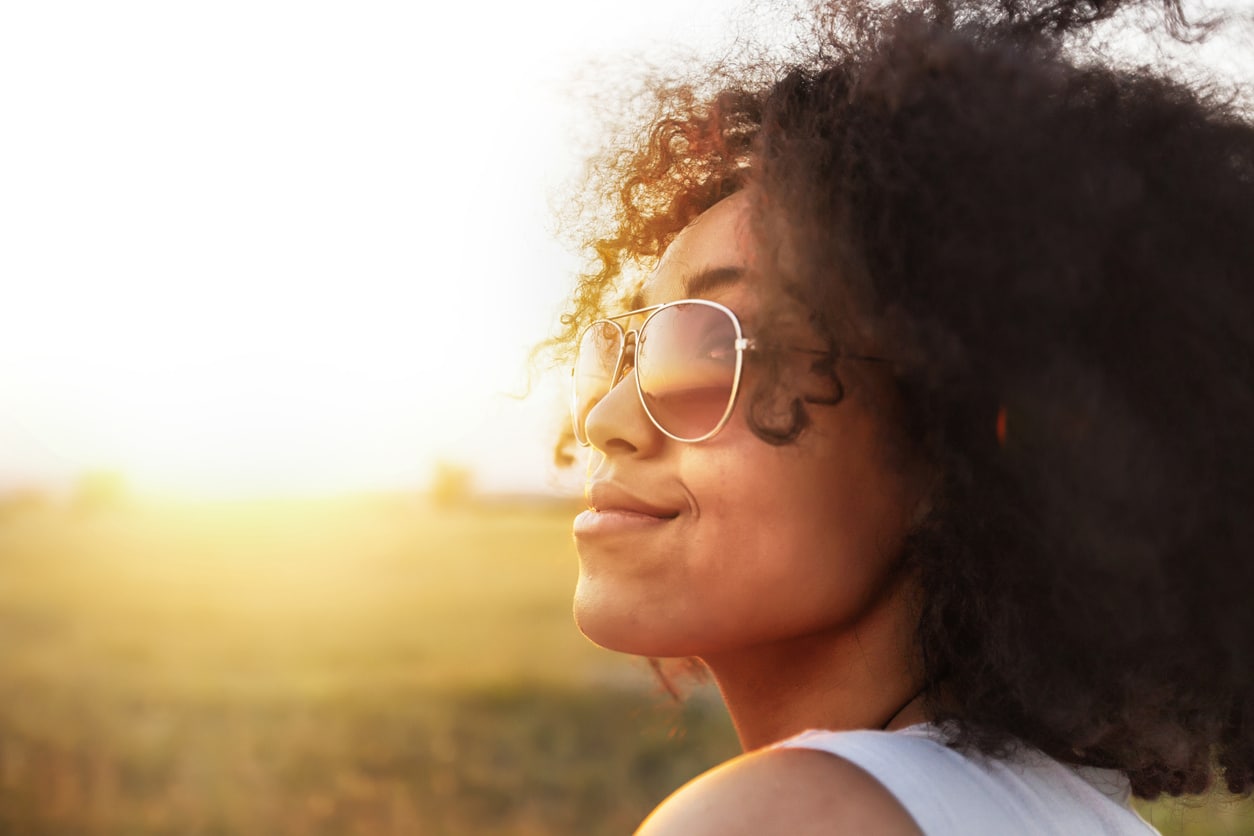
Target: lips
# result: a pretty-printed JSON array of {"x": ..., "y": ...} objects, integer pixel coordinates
[
  {"x": 615, "y": 512},
  {"x": 609, "y": 497}
]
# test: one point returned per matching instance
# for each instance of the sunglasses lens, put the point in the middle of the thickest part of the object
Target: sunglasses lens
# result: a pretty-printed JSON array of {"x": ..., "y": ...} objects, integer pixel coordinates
[
  {"x": 686, "y": 364},
  {"x": 595, "y": 363}
]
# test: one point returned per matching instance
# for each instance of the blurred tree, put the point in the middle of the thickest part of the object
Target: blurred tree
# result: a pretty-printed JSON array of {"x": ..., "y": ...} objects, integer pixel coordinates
[
  {"x": 22, "y": 500},
  {"x": 452, "y": 484},
  {"x": 99, "y": 490}
]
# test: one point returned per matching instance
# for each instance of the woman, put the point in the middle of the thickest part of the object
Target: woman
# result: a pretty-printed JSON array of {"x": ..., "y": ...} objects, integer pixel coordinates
[{"x": 927, "y": 429}]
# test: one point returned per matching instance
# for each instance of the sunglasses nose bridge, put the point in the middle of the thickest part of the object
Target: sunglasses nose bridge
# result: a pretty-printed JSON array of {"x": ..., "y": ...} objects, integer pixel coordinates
[{"x": 627, "y": 358}]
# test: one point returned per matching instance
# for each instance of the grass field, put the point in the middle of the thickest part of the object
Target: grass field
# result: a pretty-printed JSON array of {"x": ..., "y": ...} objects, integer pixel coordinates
[{"x": 353, "y": 666}]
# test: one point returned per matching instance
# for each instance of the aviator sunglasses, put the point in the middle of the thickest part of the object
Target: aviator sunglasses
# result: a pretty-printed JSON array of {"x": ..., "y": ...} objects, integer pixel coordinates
[{"x": 688, "y": 356}]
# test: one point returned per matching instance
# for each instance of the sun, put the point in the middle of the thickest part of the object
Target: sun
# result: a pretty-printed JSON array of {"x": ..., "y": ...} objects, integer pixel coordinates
[{"x": 281, "y": 251}]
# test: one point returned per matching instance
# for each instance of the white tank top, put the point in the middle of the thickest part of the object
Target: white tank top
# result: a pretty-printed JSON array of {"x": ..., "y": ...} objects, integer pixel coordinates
[{"x": 950, "y": 792}]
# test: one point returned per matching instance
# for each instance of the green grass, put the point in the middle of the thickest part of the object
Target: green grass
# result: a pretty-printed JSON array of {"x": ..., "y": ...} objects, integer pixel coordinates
[
  {"x": 365, "y": 666},
  {"x": 321, "y": 667}
]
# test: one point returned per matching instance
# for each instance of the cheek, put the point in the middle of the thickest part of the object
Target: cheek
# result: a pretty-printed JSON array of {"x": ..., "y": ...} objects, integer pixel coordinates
[
  {"x": 784, "y": 541},
  {"x": 817, "y": 526}
]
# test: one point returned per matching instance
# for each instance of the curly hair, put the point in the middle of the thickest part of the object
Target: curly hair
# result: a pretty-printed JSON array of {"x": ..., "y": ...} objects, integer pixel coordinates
[{"x": 1058, "y": 256}]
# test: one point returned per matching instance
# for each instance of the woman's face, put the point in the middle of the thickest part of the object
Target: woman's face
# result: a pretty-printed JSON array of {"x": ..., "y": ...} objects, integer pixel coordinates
[{"x": 732, "y": 543}]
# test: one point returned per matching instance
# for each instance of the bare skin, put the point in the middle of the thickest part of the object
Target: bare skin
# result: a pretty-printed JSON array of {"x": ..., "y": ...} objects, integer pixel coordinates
[
  {"x": 778, "y": 566},
  {"x": 781, "y": 791}
]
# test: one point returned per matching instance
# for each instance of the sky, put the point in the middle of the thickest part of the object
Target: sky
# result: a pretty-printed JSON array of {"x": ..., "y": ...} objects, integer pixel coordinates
[
  {"x": 271, "y": 247},
  {"x": 257, "y": 247}
]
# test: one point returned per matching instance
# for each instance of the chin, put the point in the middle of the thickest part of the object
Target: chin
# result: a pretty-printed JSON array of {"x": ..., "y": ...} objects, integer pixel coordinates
[
  {"x": 603, "y": 625},
  {"x": 615, "y": 624}
]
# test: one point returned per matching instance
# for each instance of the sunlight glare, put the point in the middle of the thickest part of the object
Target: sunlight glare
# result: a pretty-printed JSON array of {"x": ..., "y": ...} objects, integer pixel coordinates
[{"x": 258, "y": 247}]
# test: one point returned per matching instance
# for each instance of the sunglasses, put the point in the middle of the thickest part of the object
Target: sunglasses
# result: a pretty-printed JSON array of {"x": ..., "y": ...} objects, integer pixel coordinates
[{"x": 688, "y": 356}]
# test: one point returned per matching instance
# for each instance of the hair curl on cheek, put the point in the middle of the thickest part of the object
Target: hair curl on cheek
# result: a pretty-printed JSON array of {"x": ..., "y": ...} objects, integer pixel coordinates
[
  {"x": 788, "y": 386},
  {"x": 776, "y": 416}
]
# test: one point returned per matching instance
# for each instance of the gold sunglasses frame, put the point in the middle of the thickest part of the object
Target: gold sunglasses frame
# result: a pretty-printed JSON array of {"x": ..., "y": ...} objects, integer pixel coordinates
[{"x": 742, "y": 344}]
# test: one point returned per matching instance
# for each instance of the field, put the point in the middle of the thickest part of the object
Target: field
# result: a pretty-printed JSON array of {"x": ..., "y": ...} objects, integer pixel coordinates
[{"x": 354, "y": 666}]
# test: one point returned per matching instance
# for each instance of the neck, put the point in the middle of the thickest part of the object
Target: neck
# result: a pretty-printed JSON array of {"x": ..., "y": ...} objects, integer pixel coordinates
[{"x": 863, "y": 675}]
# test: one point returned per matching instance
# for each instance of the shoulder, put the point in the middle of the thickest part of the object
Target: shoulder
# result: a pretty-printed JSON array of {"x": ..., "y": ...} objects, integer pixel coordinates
[{"x": 784, "y": 791}]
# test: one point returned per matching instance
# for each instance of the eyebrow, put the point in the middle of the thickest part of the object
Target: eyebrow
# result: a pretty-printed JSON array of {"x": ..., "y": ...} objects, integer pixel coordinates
[{"x": 700, "y": 284}]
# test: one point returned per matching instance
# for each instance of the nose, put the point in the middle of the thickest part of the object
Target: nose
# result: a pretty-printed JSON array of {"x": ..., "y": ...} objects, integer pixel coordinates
[{"x": 618, "y": 424}]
